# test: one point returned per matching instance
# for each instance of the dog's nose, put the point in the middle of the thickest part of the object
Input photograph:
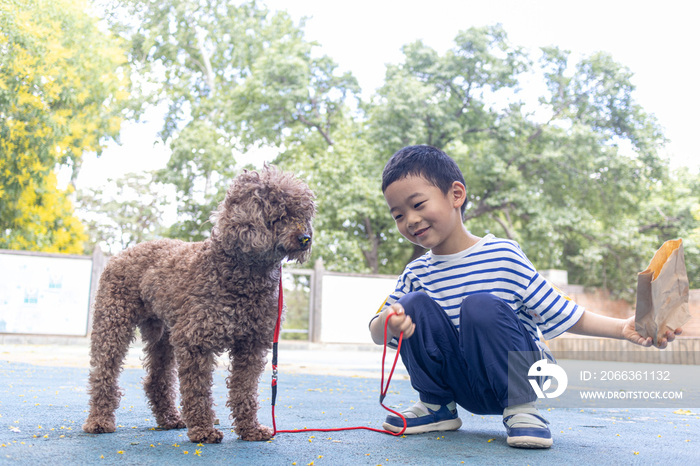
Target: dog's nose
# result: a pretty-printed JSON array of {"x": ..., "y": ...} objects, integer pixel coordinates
[{"x": 304, "y": 240}]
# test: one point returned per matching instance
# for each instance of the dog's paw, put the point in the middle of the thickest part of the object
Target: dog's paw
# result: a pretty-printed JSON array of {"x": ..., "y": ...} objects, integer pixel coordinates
[
  {"x": 173, "y": 424},
  {"x": 257, "y": 434},
  {"x": 168, "y": 420},
  {"x": 97, "y": 426},
  {"x": 205, "y": 435}
]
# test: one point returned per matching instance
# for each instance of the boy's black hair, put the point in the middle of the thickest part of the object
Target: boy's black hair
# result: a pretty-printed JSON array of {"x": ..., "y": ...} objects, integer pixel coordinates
[{"x": 425, "y": 161}]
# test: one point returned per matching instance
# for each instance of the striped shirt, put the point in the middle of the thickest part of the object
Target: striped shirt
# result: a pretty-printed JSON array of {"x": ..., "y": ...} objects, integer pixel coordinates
[{"x": 496, "y": 266}]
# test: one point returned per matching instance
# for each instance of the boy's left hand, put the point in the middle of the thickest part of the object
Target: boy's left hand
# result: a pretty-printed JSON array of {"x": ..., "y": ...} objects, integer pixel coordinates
[{"x": 630, "y": 333}]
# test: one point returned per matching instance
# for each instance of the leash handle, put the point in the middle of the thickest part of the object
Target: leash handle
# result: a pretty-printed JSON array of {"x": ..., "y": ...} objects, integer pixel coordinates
[{"x": 383, "y": 388}]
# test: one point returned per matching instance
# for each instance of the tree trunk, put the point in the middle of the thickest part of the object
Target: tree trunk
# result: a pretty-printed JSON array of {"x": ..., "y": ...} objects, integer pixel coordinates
[{"x": 371, "y": 256}]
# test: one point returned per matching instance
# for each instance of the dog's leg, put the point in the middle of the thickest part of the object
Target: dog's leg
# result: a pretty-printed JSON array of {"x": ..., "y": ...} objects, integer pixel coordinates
[
  {"x": 112, "y": 332},
  {"x": 160, "y": 383},
  {"x": 245, "y": 370},
  {"x": 195, "y": 369}
]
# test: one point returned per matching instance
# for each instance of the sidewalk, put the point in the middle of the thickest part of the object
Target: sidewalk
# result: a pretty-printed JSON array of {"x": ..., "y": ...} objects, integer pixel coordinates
[{"x": 43, "y": 405}]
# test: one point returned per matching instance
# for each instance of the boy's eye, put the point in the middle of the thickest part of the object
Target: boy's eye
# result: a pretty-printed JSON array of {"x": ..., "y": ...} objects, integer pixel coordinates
[
  {"x": 419, "y": 204},
  {"x": 398, "y": 217}
]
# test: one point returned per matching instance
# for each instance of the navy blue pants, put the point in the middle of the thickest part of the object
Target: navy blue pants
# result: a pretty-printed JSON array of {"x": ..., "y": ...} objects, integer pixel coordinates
[{"x": 469, "y": 365}]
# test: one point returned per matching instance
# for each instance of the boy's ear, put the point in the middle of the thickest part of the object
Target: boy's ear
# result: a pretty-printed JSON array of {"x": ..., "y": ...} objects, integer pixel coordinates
[{"x": 459, "y": 194}]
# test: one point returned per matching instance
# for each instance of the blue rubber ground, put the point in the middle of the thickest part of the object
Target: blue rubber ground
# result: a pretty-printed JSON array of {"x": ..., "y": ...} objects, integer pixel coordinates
[{"x": 42, "y": 409}]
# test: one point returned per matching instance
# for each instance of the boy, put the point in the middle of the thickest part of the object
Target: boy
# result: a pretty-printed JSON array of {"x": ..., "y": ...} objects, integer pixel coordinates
[{"x": 467, "y": 303}]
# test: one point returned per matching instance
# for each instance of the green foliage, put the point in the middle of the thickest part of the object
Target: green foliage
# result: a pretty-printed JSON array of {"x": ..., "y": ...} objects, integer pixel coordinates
[
  {"x": 573, "y": 174},
  {"x": 353, "y": 231},
  {"x": 125, "y": 212},
  {"x": 297, "y": 299},
  {"x": 565, "y": 181},
  {"x": 44, "y": 220},
  {"x": 672, "y": 210},
  {"x": 433, "y": 99},
  {"x": 236, "y": 77},
  {"x": 61, "y": 84}
]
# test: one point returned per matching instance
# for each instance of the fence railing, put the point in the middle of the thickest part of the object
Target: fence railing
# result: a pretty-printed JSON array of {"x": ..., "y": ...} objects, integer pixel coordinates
[
  {"x": 322, "y": 306},
  {"x": 32, "y": 283}
]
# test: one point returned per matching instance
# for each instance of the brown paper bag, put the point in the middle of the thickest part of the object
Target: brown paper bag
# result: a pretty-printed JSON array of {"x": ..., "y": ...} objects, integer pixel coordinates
[{"x": 662, "y": 292}]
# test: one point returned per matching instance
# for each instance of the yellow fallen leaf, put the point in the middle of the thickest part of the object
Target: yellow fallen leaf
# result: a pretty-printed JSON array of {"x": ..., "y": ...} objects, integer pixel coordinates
[{"x": 684, "y": 412}]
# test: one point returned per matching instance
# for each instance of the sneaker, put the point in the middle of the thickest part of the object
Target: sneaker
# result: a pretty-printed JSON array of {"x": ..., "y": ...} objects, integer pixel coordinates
[
  {"x": 527, "y": 430},
  {"x": 421, "y": 419}
]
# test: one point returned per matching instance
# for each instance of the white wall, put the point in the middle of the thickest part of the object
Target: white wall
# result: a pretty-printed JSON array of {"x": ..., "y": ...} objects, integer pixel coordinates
[
  {"x": 347, "y": 305},
  {"x": 47, "y": 295}
]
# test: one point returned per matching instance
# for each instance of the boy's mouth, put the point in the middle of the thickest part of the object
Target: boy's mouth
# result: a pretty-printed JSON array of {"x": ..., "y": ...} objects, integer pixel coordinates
[{"x": 419, "y": 233}]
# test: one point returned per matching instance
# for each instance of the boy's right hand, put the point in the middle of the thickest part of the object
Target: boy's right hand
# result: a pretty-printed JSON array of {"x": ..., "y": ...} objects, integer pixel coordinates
[{"x": 399, "y": 322}]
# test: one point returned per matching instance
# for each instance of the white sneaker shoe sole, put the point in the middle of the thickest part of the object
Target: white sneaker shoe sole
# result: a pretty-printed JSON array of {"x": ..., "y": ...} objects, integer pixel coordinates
[
  {"x": 529, "y": 442},
  {"x": 450, "y": 424}
]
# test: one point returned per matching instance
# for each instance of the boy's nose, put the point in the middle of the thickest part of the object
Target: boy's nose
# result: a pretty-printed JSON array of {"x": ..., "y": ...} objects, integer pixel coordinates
[{"x": 412, "y": 219}]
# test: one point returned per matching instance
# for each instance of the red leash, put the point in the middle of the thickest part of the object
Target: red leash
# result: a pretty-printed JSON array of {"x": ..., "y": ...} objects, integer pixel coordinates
[{"x": 382, "y": 392}]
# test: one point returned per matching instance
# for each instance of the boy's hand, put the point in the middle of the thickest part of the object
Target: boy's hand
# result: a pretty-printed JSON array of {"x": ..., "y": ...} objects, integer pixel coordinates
[
  {"x": 399, "y": 322},
  {"x": 630, "y": 333}
]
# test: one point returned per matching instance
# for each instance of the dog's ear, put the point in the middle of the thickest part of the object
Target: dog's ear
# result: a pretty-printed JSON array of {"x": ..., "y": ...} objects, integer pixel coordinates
[
  {"x": 239, "y": 222},
  {"x": 287, "y": 195}
]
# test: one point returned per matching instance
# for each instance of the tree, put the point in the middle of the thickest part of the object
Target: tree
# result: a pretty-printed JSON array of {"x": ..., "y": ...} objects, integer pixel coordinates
[
  {"x": 672, "y": 210},
  {"x": 434, "y": 100},
  {"x": 61, "y": 88},
  {"x": 45, "y": 220},
  {"x": 566, "y": 180},
  {"x": 591, "y": 165},
  {"x": 437, "y": 100},
  {"x": 353, "y": 231},
  {"x": 127, "y": 211},
  {"x": 428, "y": 99},
  {"x": 567, "y": 175},
  {"x": 236, "y": 77}
]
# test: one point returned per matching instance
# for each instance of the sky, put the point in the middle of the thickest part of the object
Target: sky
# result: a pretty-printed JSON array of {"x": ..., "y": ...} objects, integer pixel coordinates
[{"x": 656, "y": 40}]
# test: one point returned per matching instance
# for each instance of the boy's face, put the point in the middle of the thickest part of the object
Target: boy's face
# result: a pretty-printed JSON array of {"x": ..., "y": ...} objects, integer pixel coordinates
[{"x": 427, "y": 217}]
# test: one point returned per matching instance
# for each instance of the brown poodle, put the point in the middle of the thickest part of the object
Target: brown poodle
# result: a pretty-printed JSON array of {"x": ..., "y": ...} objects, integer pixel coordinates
[{"x": 193, "y": 301}]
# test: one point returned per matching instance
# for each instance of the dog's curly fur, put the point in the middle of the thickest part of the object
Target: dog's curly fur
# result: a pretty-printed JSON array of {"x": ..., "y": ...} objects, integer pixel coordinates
[{"x": 194, "y": 301}]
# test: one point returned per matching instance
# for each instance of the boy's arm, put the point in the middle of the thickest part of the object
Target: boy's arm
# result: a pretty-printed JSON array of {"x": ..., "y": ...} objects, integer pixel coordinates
[{"x": 593, "y": 324}]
